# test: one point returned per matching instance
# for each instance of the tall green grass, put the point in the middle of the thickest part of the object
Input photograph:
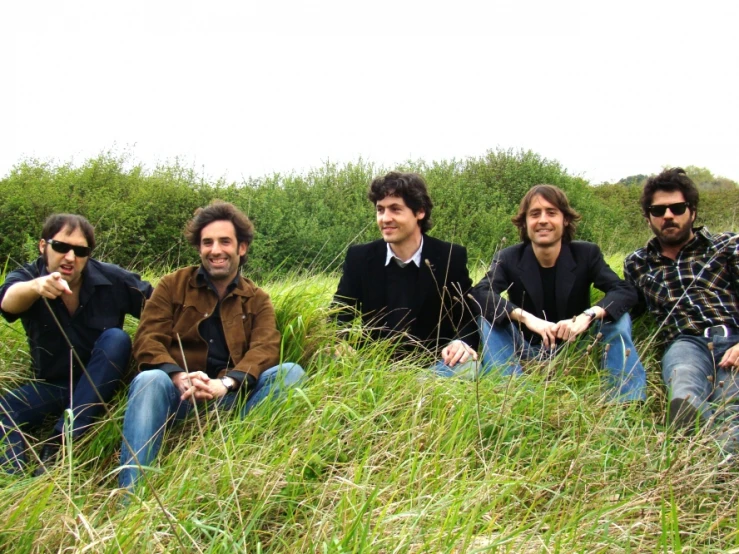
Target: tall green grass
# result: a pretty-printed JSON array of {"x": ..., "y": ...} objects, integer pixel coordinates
[{"x": 376, "y": 455}]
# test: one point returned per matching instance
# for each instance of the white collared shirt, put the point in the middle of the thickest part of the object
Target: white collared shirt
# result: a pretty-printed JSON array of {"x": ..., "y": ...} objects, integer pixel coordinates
[{"x": 416, "y": 258}]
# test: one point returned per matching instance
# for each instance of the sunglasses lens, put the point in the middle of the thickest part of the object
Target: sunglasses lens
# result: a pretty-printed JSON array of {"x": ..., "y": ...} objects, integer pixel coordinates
[
  {"x": 676, "y": 209},
  {"x": 63, "y": 248}
]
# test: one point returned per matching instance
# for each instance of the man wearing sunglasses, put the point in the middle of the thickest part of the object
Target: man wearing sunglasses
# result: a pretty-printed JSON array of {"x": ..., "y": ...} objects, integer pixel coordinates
[
  {"x": 72, "y": 308},
  {"x": 689, "y": 280}
]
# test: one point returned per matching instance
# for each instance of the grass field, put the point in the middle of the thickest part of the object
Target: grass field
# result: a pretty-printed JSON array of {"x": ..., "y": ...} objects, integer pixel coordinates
[{"x": 371, "y": 455}]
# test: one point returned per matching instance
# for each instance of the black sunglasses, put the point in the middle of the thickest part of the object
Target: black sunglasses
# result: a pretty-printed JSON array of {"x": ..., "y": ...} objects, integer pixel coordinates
[
  {"x": 658, "y": 210},
  {"x": 63, "y": 248}
]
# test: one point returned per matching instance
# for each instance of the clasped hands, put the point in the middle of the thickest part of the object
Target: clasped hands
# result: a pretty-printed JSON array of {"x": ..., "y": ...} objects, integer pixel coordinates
[
  {"x": 549, "y": 331},
  {"x": 196, "y": 386}
]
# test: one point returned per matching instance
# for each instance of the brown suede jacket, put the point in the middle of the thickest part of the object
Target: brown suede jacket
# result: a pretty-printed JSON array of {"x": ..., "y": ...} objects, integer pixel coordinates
[{"x": 178, "y": 305}]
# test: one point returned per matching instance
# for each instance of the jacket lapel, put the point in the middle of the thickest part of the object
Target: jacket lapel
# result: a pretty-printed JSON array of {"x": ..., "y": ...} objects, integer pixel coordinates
[
  {"x": 376, "y": 283},
  {"x": 528, "y": 268},
  {"x": 565, "y": 278},
  {"x": 429, "y": 268}
]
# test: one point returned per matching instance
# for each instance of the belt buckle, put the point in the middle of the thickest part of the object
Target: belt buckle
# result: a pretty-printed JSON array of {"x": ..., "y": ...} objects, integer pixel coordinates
[{"x": 714, "y": 331}]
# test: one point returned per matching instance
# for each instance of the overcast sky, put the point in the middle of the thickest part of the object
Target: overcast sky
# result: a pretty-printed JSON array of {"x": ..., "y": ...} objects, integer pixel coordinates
[{"x": 238, "y": 89}]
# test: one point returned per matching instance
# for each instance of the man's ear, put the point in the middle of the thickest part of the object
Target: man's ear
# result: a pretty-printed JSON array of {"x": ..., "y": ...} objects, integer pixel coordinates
[
  {"x": 41, "y": 246},
  {"x": 243, "y": 249}
]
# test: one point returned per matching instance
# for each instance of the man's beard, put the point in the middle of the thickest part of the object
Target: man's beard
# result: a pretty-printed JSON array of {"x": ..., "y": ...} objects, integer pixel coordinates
[{"x": 677, "y": 239}]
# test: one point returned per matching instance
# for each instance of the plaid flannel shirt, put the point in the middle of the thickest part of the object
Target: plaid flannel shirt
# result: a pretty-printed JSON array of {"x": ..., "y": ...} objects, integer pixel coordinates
[{"x": 696, "y": 291}]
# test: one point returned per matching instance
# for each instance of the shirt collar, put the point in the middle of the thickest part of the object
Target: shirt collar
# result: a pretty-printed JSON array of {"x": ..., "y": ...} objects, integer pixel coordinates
[
  {"x": 202, "y": 278},
  {"x": 416, "y": 258}
]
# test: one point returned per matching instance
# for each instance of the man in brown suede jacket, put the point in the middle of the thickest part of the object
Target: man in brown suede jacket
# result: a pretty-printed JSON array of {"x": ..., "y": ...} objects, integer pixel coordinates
[{"x": 207, "y": 335}]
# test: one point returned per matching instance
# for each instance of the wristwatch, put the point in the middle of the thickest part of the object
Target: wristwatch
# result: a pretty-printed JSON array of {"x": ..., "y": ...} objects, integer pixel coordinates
[
  {"x": 229, "y": 383},
  {"x": 590, "y": 312}
]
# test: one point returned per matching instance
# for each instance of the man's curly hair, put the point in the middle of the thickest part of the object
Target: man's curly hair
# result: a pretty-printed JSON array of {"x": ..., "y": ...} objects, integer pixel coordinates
[{"x": 410, "y": 187}]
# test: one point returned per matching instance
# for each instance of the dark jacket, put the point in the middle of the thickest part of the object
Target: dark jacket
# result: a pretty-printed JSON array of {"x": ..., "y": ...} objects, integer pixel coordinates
[
  {"x": 439, "y": 306},
  {"x": 180, "y": 303},
  {"x": 580, "y": 265},
  {"x": 108, "y": 293}
]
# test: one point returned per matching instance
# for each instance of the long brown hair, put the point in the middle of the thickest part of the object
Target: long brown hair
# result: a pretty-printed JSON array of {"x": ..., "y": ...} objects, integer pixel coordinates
[{"x": 556, "y": 197}]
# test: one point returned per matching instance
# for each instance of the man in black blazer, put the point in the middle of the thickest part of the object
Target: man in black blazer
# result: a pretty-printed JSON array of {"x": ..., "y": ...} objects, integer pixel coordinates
[
  {"x": 547, "y": 278},
  {"x": 409, "y": 283}
]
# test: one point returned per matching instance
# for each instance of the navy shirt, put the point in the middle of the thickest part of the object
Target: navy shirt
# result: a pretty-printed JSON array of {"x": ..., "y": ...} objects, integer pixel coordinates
[
  {"x": 107, "y": 294},
  {"x": 211, "y": 329}
]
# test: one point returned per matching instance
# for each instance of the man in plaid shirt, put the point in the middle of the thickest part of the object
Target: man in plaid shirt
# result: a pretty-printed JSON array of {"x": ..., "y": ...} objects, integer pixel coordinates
[{"x": 689, "y": 280}]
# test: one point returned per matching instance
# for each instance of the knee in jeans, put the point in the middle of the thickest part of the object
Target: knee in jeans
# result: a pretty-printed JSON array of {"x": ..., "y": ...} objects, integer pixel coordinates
[
  {"x": 624, "y": 320},
  {"x": 621, "y": 326},
  {"x": 286, "y": 374},
  {"x": 152, "y": 380},
  {"x": 114, "y": 337},
  {"x": 291, "y": 373},
  {"x": 115, "y": 344}
]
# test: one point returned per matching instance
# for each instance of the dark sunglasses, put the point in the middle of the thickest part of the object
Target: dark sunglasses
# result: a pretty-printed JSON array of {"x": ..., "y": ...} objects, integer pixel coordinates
[
  {"x": 63, "y": 248},
  {"x": 659, "y": 210}
]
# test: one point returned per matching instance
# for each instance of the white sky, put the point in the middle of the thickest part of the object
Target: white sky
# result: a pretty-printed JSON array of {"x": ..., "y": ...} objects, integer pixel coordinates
[{"x": 234, "y": 89}]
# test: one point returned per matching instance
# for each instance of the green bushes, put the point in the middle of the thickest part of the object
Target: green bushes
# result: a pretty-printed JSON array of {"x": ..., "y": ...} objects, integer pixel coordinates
[
  {"x": 138, "y": 215},
  {"x": 304, "y": 222}
]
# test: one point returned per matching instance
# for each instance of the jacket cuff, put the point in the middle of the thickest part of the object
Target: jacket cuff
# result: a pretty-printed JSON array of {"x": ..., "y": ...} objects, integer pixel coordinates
[
  {"x": 609, "y": 316},
  {"x": 169, "y": 369},
  {"x": 501, "y": 314}
]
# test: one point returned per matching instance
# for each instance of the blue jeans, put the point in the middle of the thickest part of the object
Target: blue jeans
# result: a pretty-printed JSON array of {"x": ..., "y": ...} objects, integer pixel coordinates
[
  {"x": 466, "y": 370},
  {"x": 691, "y": 372},
  {"x": 31, "y": 404},
  {"x": 154, "y": 402},
  {"x": 504, "y": 347}
]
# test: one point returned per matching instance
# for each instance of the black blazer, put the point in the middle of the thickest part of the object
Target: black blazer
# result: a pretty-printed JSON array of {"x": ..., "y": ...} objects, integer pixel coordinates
[
  {"x": 440, "y": 306},
  {"x": 580, "y": 264}
]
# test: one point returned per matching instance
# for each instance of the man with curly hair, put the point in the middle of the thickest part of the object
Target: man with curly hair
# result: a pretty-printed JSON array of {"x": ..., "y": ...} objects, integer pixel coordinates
[
  {"x": 208, "y": 336},
  {"x": 688, "y": 279},
  {"x": 409, "y": 285}
]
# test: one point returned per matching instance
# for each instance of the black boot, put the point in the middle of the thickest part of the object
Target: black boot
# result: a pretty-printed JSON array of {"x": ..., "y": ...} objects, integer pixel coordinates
[
  {"x": 49, "y": 454},
  {"x": 683, "y": 415}
]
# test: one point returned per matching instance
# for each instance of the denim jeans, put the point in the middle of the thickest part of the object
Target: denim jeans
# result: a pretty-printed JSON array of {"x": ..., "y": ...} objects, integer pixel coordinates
[
  {"x": 691, "y": 372},
  {"x": 154, "y": 402},
  {"x": 31, "y": 404},
  {"x": 504, "y": 347},
  {"x": 467, "y": 370}
]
